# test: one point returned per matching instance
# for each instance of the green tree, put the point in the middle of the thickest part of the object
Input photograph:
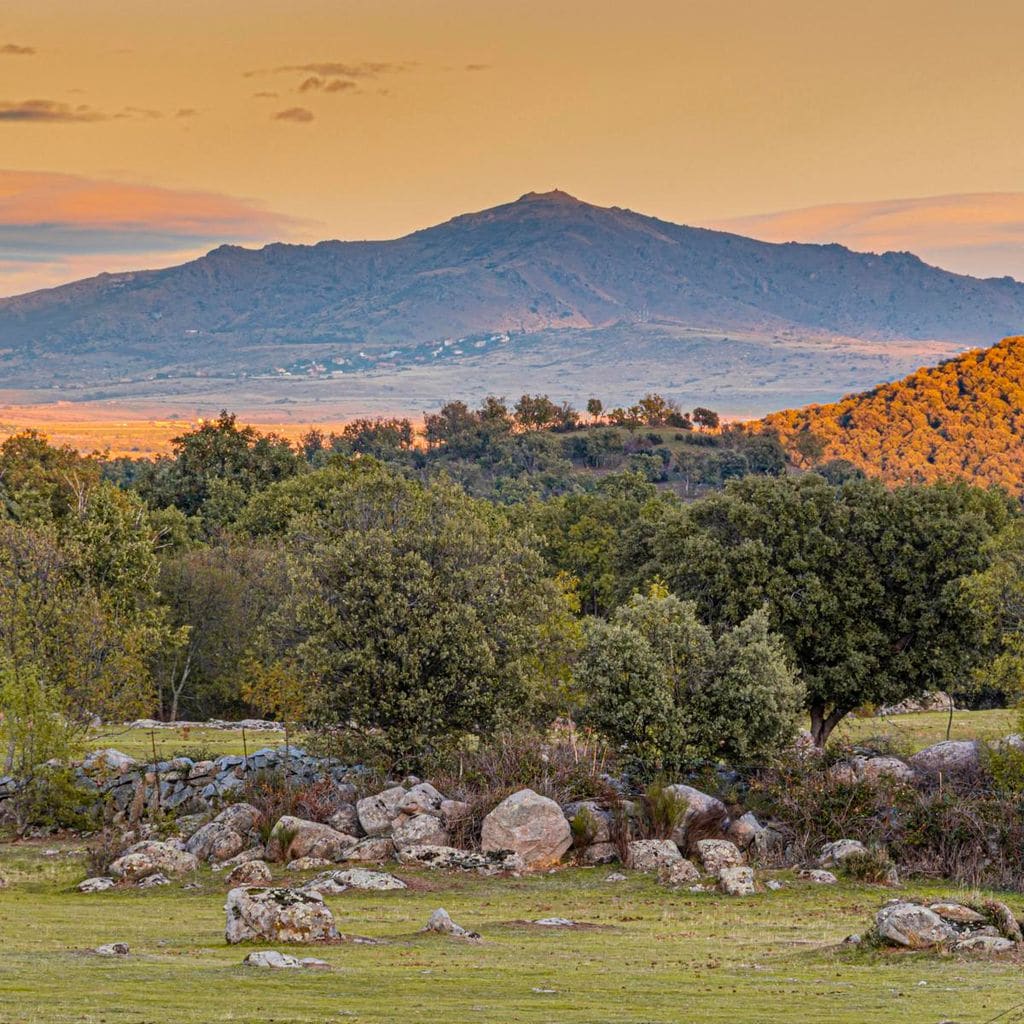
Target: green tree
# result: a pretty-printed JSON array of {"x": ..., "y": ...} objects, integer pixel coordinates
[{"x": 863, "y": 583}]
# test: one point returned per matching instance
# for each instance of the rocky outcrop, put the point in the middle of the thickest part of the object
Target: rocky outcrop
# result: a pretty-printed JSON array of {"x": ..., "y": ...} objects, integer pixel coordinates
[
  {"x": 529, "y": 825},
  {"x": 277, "y": 915},
  {"x": 450, "y": 859}
]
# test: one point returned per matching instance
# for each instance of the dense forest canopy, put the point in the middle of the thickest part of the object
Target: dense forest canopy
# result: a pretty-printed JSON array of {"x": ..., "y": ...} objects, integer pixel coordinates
[{"x": 961, "y": 419}]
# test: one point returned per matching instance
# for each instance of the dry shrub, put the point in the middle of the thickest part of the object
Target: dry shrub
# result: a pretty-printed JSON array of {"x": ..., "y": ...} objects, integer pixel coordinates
[
  {"x": 960, "y": 826},
  {"x": 709, "y": 823},
  {"x": 102, "y": 850},
  {"x": 274, "y": 795}
]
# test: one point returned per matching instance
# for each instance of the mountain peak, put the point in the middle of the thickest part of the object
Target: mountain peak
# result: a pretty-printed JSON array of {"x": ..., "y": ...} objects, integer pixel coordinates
[{"x": 556, "y": 197}]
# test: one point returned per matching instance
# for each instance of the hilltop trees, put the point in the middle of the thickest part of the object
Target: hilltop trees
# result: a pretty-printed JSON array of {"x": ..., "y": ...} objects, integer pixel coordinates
[{"x": 863, "y": 583}]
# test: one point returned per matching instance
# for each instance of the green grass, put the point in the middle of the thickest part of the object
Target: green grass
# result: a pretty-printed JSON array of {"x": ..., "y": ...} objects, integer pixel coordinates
[
  {"x": 908, "y": 732},
  {"x": 138, "y": 743},
  {"x": 913, "y": 732},
  {"x": 654, "y": 956}
]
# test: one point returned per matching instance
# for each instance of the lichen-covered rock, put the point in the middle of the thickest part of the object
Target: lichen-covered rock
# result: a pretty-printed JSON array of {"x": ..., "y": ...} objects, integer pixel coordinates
[
  {"x": 99, "y": 884},
  {"x": 346, "y": 819},
  {"x": 252, "y": 872},
  {"x": 529, "y": 825},
  {"x": 833, "y": 854},
  {"x": 216, "y": 841},
  {"x": 152, "y": 881},
  {"x": 716, "y": 854},
  {"x": 984, "y": 944},
  {"x": 240, "y": 817},
  {"x": 957, "y": 913},
  {"x": 423, "y": 798},
  {"x": 376, "y": 813},
  {"x": 150, "y": 857},
  {"x": 451, "y": 859},
  {"x": 335, "y": 882},
  {"x": 738, "y": 881},
  {"x": 308, "y": 864},
  {"x": 601, "y": 853},
  {"x": 652, "y": 854},
  {"x": 293, "y": 838},
  {"x": 419, "y": 830},
  {"x": 947, "y": 756},
  {"x": 913, "y": 926},
  {"x": 887, "y": 768},
  {"x": 678, "y": 873},
  {"x": 271, "y": 958},
  {"x": 817, "y": 876},
  {"x": 1003, "y": 919},
  {"x": 277, "y": 915}
]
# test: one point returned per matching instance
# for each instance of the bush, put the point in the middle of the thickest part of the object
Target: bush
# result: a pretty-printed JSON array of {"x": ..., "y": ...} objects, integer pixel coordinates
[
  {"x": 662, "y": 811},
  {"x": 53, "y": 799}
]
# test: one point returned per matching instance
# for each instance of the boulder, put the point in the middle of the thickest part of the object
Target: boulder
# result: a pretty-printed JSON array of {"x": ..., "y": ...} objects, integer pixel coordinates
[
  {"x": 109, "y": 760},
  {"x": 1003, "y": 919},
  {"x": 256, "y": 853},
  {"x": 357, "y": 878},
  {"x": 150, "y": 857},
  {"x": 947, "y": 756},
  {"x": 985, "y": 944},
  {"x": 440, "y": 921},
  {"x": 451, "y": 859},
  {"x": 307, "y": 839},
  {"x": 308, "y": 864},
  {"x": 372, "y": 849},
  {"x": 419, "y": 830},
  {"x": 678, "y": 873},
  {"x": 913, "y": 926},
  {"x": 346, "y": 819},
  {"x": 216, "y": 841},
  {"x": 273, "y": 959},
  {"x": 957, "y": 913},
  {"x": 277, "y": 915},
  {"x": 716, "y": 854},
  {"x": 251, "y": 872},
  {"x": 421, "y": 799},
  {"x": 652, "y": 854},
  {"x": 697, "y": 804},
  {"x": 596, "y": 816},
  {"x": 100, "y": 884},
  {"x": 529, "y": 825},
  {"x": 833, "y": 854},
  {"x": 377, "y": 812},
  {"x": 601, "y": 853},
  {"x": 875, "y": 768},
  {"x": 736, "y": 881},
  {"x": 454, "y": 811},
  {"x": 240, "y": 817},
  {"x": 744, "y": 831}
]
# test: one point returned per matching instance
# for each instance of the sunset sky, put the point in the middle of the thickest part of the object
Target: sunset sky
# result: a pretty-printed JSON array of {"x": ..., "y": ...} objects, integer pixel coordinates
[{"x": 140, "y": 133}]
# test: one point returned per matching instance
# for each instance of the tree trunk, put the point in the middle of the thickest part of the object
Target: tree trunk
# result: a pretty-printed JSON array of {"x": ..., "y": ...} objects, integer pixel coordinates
[{"x": 822, "y": 724}]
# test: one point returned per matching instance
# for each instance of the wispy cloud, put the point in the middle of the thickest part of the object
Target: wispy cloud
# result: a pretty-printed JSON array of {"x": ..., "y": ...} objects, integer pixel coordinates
[
  {"x": 59, "y": 227},
  {"x": 315, "y": 83},
  {"x": 50, "y": 111},
  {"x": 14, "y": 50},
  {"x": 971, "y": 233},
  {"x": 338, "y": 69},
  {"x": 187, "y": 112},
  {"x": 301, "y": 115}
]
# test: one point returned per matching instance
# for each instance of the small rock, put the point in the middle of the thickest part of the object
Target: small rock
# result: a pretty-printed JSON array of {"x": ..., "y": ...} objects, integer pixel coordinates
[
  {"x": 985, "y": 944},
  {"x": 271, "y": 958},
  {"x": 736, "y": 881},
  {"x": 308, "y": 864},
  {"x": 716, "y": 854},
  {"x": 440, "y": 921},
  {"x": 616, "y": 876},
  {"x": 113, "y": 949},
  {"x": 555, "y": 922},
  {"x": 1003, "y": 919},
  {"x": 817, "y": 876},
  {"x": 833, "y": 854},
  {"x": 99, "y": 884},
  {"x": 773, "y": 885},
  {"x": 335, "y": 882},
  {"x": 678, "y": 873},
  {"x": 251, "y": 872},
  {"x": 151, "y": 881},
  {"x": 652, "y": 854}
]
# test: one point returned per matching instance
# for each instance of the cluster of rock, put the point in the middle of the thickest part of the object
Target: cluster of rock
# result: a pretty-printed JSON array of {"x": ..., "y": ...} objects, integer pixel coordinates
[
  {"x": 937, "y": 700},
  {"x": 121, "y": 786},
  {"x": 247, "y": 724},
  {"x": 991, "y": 928}
]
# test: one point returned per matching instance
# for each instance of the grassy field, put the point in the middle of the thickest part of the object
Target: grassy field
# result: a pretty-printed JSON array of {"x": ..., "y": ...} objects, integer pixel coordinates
[
  {"x": 648, "y": 956},
  {"x": 905, "y": 732}
]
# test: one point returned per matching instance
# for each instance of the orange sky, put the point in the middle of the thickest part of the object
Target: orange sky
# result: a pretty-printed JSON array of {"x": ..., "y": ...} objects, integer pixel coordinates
[{"x": 370, "y": 118}]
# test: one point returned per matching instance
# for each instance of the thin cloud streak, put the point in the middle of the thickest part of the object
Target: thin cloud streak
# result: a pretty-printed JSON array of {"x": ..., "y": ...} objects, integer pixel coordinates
[
  {"x": 972, "y": 233},
  {"x": 300, "y": 115},
  {"x": 14, "y": 50},
  {"x": 48, "y": 111}
]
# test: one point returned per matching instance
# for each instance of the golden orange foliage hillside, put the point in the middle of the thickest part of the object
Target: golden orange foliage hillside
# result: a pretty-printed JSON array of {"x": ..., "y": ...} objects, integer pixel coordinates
[{"x": 963, "y": 418}]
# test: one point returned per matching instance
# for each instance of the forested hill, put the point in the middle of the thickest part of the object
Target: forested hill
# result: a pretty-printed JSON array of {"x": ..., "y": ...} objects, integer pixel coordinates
[{"x": 962, "y": 418}]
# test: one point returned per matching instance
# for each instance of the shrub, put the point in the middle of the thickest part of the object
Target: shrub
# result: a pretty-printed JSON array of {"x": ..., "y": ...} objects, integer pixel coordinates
[
  {"x": 102, "y": 850},
  {"x": 662, "y": 811},
  {"x": 874, "y": 866},
  {"x": 52, "y": 798}
]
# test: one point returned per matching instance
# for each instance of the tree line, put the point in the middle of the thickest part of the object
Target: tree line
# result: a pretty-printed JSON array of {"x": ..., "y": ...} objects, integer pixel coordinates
[{"x": 352, "y": 586}]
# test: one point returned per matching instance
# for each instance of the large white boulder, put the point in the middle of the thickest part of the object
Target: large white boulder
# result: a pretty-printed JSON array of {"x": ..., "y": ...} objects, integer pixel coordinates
[
  {"x": 420, "y": 830},
  {"x": 529, "y": 825},
  {"x": 150, "y": 857},
  {"x": 376, "y": 813},
  {"x": 277, "y": 915},
  {"x": 947, "y": 756}
]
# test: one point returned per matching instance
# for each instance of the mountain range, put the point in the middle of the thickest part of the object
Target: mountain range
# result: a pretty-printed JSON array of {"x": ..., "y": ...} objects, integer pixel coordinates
[{"x": 546, "y": 288}]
